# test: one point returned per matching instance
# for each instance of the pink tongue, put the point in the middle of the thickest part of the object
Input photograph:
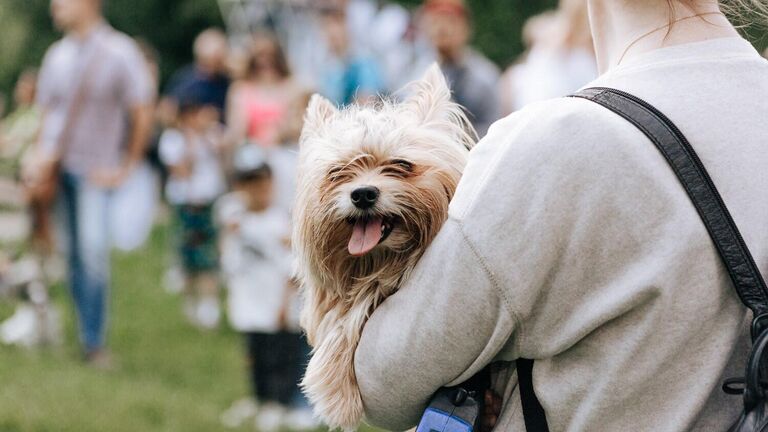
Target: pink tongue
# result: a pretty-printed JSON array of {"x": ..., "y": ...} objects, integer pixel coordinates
[{"x": 365, "y": 236}]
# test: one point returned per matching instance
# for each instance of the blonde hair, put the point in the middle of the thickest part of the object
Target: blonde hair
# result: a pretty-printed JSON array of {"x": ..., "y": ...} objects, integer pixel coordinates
[
  {"x": 742, "y": 12},
  {"x": 746, "y": 12}
]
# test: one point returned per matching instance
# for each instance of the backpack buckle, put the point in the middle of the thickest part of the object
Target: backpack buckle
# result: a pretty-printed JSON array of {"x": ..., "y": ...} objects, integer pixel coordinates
[{"x": 759, "y": 325}]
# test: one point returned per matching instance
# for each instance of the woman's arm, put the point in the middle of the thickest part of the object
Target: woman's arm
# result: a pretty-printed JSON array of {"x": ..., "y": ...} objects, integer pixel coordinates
[
  {"x": 446, "y": 324},
  {"x": 531, "y": 215}
]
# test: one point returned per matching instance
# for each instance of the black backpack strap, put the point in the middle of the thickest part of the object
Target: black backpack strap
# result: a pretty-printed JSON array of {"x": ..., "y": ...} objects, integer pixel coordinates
[
  {"x": 533, "y": 413},
  {"x": 746, "y": 277},
  {"x": 686, "y": 164}
]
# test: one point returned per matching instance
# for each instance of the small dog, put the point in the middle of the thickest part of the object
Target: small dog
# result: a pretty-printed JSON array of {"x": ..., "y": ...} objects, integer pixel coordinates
[{"x": 373, "y": 191}]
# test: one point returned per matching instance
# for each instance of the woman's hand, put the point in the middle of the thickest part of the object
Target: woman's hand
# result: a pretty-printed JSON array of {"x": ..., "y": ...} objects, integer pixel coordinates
[{"x": 491, "y": 411}]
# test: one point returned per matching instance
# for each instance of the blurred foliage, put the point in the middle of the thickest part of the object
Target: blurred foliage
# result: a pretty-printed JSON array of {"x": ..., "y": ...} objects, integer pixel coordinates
[
  {"x": 26, "y": 30},
  {"x": 171, "y": 25}
]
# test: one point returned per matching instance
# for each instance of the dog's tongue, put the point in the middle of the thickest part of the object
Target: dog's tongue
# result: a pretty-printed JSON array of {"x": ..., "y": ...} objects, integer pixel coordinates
[{"x": 366, "y": 234}]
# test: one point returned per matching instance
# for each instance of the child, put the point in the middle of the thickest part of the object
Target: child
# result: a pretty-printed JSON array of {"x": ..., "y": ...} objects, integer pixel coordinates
[
  {"x": 196, "y": 180},
  {"x": 256, "y": 264}
]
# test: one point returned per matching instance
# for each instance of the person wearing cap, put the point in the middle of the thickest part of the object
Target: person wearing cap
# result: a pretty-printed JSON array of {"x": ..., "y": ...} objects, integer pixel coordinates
[
  {"x": 192, "y": 154},
  {"x": 256, "y": 268},
  {"x": 472, "y": 77}
]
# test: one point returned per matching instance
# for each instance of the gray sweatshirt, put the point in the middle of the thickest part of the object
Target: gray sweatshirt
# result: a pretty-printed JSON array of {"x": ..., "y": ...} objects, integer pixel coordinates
[{"x": 571, "y": 242}]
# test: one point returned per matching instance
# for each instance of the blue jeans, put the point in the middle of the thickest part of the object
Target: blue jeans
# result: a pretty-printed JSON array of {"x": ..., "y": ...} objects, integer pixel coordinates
[{"x": 85, "y": 212}]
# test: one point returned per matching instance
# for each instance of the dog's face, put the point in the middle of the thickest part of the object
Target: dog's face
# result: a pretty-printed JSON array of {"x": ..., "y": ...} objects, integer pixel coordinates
[
  {"x": 375, "y": 182},
  {"x": 373, "y": 191}
]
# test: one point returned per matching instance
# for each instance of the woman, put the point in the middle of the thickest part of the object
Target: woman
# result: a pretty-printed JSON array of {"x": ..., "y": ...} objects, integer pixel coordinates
[
  {"x": 571, "y": 242},
  {"x": 258, "y": 105}
]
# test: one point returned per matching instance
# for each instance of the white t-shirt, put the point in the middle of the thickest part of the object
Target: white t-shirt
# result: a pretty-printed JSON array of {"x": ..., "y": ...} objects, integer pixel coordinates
[
  {"x": 570, "y": 241},
  {"x": 206, "y": 180},
  {"x": 256, "y": 264},
  {"x": 284, "y": 163}
]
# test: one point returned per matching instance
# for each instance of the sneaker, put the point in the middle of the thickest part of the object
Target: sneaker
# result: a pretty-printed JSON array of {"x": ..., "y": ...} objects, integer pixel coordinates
[
  {"x": 21, "y": 328},
  {"x": 301, "y": 419},
  {"x": 270, "y": 417},
  {"x": 240, "y": 412},
  {"x": 208, "y": 313}
]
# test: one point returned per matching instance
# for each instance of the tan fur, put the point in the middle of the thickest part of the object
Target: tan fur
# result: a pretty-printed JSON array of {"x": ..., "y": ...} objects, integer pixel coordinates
[{"x": 360, "y": 146}]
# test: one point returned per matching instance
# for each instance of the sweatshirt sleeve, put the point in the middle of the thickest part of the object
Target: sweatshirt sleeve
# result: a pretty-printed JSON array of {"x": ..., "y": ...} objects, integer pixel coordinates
[{"x": 443, "y": 326}]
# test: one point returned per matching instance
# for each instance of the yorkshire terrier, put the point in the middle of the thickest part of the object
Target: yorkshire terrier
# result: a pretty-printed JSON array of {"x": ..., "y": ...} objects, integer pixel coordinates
[{"x": 374, "y": 187}]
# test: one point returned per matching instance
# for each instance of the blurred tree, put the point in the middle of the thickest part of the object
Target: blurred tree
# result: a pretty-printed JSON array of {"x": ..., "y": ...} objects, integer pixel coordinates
[
  {"x": 171, "y": 25},
  {"x": 26, "y": 33}
]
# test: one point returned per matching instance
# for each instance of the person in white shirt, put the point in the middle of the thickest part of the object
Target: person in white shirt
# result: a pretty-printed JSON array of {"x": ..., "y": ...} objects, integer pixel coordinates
[
  {"x": 192, "y": 154},
  {"x": 256, "y": 265}
]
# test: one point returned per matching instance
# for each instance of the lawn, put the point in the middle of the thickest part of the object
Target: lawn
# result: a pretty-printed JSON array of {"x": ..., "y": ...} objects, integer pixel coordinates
[{"x": 170, "y": 377}]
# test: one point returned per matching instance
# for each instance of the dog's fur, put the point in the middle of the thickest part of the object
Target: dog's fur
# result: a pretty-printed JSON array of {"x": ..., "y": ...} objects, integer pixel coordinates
[{"x": 414, "y": 153}]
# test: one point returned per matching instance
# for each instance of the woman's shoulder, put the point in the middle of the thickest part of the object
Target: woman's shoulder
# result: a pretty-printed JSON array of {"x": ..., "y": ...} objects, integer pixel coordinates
[
  {"x": 557, "y": 128},
  {"x": 553, "y": 146}
]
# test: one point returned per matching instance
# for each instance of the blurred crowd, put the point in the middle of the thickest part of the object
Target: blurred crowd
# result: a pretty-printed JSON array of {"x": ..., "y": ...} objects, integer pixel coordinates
[{"x": 91, "y": 150}]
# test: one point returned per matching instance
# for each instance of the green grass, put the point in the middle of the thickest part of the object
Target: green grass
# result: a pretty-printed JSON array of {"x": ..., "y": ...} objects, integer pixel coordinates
[{"x": 170, "y": 377}]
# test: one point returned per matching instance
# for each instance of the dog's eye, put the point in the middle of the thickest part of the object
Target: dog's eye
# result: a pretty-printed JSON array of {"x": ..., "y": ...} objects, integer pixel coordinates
[
  {"x": 404, "y": 164},
  {"x": 336, "y": 174},
  {"x": 333, "y": 172},
  {"x": 399, "y": 167}
]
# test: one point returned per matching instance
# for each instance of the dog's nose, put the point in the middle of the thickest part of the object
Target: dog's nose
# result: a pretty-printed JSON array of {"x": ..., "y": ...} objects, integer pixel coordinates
[{"x": 365, "y": 197}]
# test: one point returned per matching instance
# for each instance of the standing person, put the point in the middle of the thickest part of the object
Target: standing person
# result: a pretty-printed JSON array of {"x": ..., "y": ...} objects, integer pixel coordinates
[
  {"x": 18, "y": 134},
  {"x": 35, "y": 320},
  {"x": 207, "y": 75},
  {"x": 571, "y": 241},
  {"x": 349, "y": 76},
  {"x": 256, "y": 263},
  {"x": 95, "y": 95},
  {"x": 18, "y": 130},
  {"x": 472, "y": 77},
  {"x": 259, "y": 104},
  {"x": 192, "y": 153}
]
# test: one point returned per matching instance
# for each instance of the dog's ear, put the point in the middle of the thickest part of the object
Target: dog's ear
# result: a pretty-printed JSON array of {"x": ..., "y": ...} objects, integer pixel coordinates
[
  {"x": 431, "y": 98},
  {"x": 319, "y": 111}
]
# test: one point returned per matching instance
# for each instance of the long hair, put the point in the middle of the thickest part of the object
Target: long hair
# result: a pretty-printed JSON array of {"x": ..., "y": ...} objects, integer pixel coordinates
[
  {"x": 278, "y": 56},
  {"x": 742, "y": 12}
]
